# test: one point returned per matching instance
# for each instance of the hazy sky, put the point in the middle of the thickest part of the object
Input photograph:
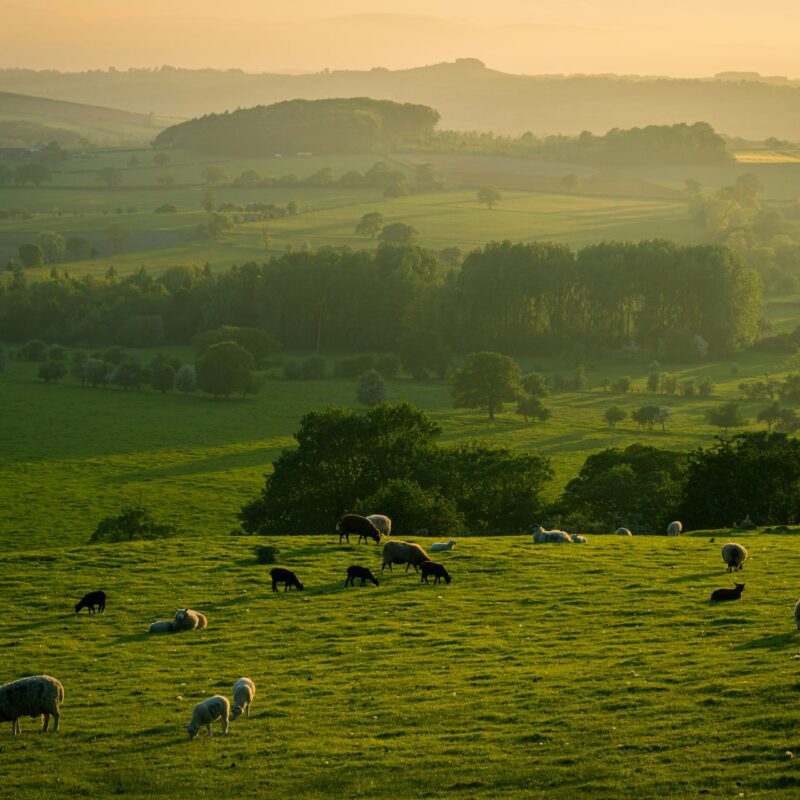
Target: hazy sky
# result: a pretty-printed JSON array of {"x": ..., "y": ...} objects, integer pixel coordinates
[{"x": 668, "y": 37}]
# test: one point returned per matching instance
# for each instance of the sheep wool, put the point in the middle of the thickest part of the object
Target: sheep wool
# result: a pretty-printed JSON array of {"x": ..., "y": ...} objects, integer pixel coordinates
[
  {"x": 244, "y": 690},
  {"x": 674, "y": 528},
  {"x": 162, "y": 626},
  {"x": 442, "y": 547},
  {"x": 397, "y": 552},
  {"x": 216, "y": 707},
  {"x": 188, "y": 620},
  {"x": 31, "y": 697},
  {"x": 734, "y": 555}
]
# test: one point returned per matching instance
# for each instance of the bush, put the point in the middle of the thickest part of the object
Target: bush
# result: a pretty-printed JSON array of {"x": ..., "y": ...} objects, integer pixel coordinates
[
  {"x": 371, "y": 388},
  {"x": 167, "y": 208},
  {"x": 52, "y": 371},
  {"x": 133, "y": 523},
  {"x": 258, "y": 343},
  {"x": 265, "y": 553},
  {"x": 185, "y": 380},
  {"x": 535, "y": 384},
  {"x": 162, "y": 376},
  {"x": 129, "y": 375},
  {"x": 224, "y": 369},
  {"x": 532, "y": 408},
  {"x": 34, "y": 350},
  {"x": 354, "y": 366}
]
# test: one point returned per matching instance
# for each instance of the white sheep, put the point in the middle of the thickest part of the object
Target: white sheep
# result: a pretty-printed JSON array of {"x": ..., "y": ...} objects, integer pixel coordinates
[
  {"x": 216, "y": 707},
  {"x": 674, "y": 528},
  {"x": 541, "y": 536},
  {"x": 441, "y": 547},
  {"x": 382, "y": 523},
  {"x": 734, "y": 555},
  {"x": 623, "y": 532},
  {"x": 31, "y": 697},
  {"x": 578, "y": 539},
  {"x": 188, "y": 620},
  {"x": 244, "y": 690}
]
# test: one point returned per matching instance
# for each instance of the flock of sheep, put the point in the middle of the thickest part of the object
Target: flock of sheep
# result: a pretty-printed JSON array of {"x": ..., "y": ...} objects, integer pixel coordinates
[{"x": 42, "y": 695}]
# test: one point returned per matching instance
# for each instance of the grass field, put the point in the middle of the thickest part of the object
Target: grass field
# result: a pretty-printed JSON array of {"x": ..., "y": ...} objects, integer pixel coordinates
[{"x": 595, "y": 671}]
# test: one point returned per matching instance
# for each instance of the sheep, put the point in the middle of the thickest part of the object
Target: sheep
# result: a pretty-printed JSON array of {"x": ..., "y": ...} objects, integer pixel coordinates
[
  {"x": 541, "y": 536},
  {"x": 382, "y": 523},
  {"x": 90, "y": 601},
  {"x": 432, "y": 568},
  {"x": 244, "y": 690},
  {"x": 578, "y": 539},
  {"x": 354, "y": 523},
  {"x": 623, "y": 532},
  {"x": 727, "y": 594},
  {"x": 31, "y": 697},
  {"x": 734, "y": 555},
  {"x": 162, "y": 626},
  {"x": 188, "y": 620},
  {"x": 286, "y": 577},
  {"x": 397, "y": 552},
  {"x": 216, "y": 707},
  {"x": 442, "y": 547},
  {"x": 797, "y": 615},
  {"x": 362, "y": 573},
  {"x": 674, "y": 528}
]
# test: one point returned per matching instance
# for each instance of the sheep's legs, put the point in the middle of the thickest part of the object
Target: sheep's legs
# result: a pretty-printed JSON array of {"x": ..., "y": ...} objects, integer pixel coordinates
[
  {"x": 208, "y": 727},
  {"x": 224, "y": 725},
  {"x": 55, "y": 723},
  {"x": 15, "y": 727},
  {"x": 46, "y": 723},
  {"x": 247, "y": 712}
]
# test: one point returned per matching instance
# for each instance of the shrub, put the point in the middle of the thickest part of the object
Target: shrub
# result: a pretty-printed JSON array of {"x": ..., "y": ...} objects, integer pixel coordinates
[
  {"x": 532, "y": 408},
  {"x": 133, "y": 523},
  {"x": 52, "y": 371},
  {"x": 371, "y": 388},
  {"x": 167, "y": 208},
  {"x": 258, "y": 343},
  {"x": 129, "y": 375},
  {"x": 34, "y": 350},
  {"x": 265, "y": 553},
  {"x": 162, "y": 376},
  {"x": 185, "y": 380},
  {"x": 56, "y": 353},
  {"x": 614, "y": 414},
  {"x": 535, "y": 384},
  {"x": 622, "y": 385},
  {"x": 224, "y": 369}
]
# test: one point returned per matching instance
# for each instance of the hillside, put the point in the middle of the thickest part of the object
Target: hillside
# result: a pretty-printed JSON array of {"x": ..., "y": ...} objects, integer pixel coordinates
[
  {"x": 468, "y": 95},
  {"x": 26, "y": 121}
]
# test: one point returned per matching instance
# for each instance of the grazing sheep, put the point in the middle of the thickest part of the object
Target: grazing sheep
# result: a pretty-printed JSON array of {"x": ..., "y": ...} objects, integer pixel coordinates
[
  {"x": 382, "y": 523},
  {"x": 432, "y": 568},
  {"x": 674, "y": 528},
  {"x": 286, "y": 577},
  {"x": 362, "y": 573},
  {"x": 734, "y": 555},
  {"x": 90, "y": 601},
  {"x": 623, "y": 532},
  {"x": 216, "y": 707},
  {"x": 31, "y": 697},
  {"x": 188, "y": 620},
  {"x": 797, "y": 615},
  {"x": 162, "y": 626},
  {"x": 442, "y": 547},
  {"x": 354, "y": 523},
  {"x": 541, "y": 536},
  {"x": 578, "y": 539},
  {"x": 244, "y": 690},
  {"x": 727, "y": 594},
  {"x": 397, "y": 552}
]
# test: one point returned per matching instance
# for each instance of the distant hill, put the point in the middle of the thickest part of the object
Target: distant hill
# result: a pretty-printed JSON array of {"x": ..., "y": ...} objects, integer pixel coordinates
[
  {"x": 468, "y": 95},
  {"x": 27, "y": 121},
  {"x": 321, "y": 126}
]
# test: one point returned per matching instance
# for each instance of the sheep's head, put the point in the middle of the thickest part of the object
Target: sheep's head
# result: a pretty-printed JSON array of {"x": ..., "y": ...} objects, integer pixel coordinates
[
  {"x": 236, "y": 711},
  {"x": 191, "y": 730},
  {"x": 298, "y": 585},
  {"x": 739, "y": 586},
  {"x": 180, "y": 614},
  {"x": 77, "y": 607}
]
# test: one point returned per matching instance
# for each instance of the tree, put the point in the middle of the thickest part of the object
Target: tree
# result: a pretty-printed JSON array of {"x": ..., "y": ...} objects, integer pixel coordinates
[
  {"x": 370, "y": 224},
  {"x": 622, "y": 385},
  {"x": 371, "y": 388},
  {"x": 486, "y": 381},
  {"x": 257, "y": 342},
  {"x": 185, "y": 379},
  {"x": 110, "y": 176},
  {"x": 614, "y": 414},
  {"x": 726, "y": 416},
  {"x": 770, "y": 414},
  {"x": 166, "y": 179},
  {"x": 571, "y": 183},
  {"x": 30, "y": 255},
  {"x": 423, "y": 351},
  {"x": 426, "y": 178},
  {"x": 654, "y": 381},
  {"x": 96, "y": 371},
  {"x": 214, "y": 176},
  {"x": 532, "y": 408},
  {"x": 398, "y": 233},
  {"x": 162, "y": 376},
  {"x": 293, "y": 208},
  {"x": 224, "y": 369},
  {"x": 117, "y": 236},
  {"x": 53, "y": 245},
  {"x": 535, "y": 384},
  {"x": 489, "y": 196},
  {"x": 266, "y": 238},
  {"x": 161, "y": 159},
  {"x": 218, "y": 224},
  {"x": 34, "y": 172},
  {"x": 134, "y": 161},
  {"x": 33, "y": 350},
  {"x": 129, "y": 374},
  {"x": 789, "y": 421},
  {"x": 646, "y": 416},
  {"x": 52, "y": 371},
  {"x": 209, "y": 201}
]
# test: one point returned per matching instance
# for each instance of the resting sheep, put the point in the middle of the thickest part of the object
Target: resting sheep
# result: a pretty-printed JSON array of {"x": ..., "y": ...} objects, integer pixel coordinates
[
  {"x": 216, "y": 707},
  {"x": 188, "y": 620},
  {"x": 734, "y": 555},
  {"x": 244, "y": 690},
  {"x": 397, "y": 552},
  {"x": 623, "y": 532},
  {"x": 541, "y": 536},
  {"x": 437, "y": 570},
  {"x": 286, "y": 577},
  {"x": 719, "y": 595},
  {"x": 354, "y": 523},
  {"x": 382, "y": 523},
  {"x": 31, "y": 697},
  {"x": 443, "y": 547},
  {"x": 674, "y": 528},
  {"x": 578, "y": 539},
  {"x": 162, "y": 626},
  {"x": 90, "y": 601},
  {"x": 362, "y": 573}
]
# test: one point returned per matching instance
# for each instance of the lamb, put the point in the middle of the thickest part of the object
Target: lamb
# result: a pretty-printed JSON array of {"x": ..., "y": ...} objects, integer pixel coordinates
[
  {"x": 354, "y": 523},
  {"x": 578, "y": 539},
  {"x": 734, "y": 555},
  {"x": 674, "y": 528},
  {"x": 244, "y": 690},
  {"x": 216, "y": 707},
  {"x": 397, "y": 552},
  {"x": 162, "y": 626},
  {"x": 382, "y": 523},
  {"x": 623, "y": 532},
  {"x": 363, "y": 573},
  {"x": 31, "y": 697},
  {"x": 188, "y": 620},
  {"x": 727, "y": 594},
  {"x": 443, "y": 547},
  {"x": 541, "y": 536},
  {"x": 286, "y": 577},
  {"x": 90, "y": 601},
  {"x": 438, "y": 570}
]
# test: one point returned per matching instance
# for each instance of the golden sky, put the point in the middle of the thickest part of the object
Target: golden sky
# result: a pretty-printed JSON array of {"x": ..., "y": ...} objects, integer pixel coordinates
[{"x": 668, "y": 37}]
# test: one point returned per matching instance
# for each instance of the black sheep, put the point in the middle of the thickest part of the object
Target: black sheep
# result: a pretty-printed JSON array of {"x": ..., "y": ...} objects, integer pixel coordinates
[
  {"x": 432, "y": 568},
  {"x": 360, "y": 572},
  {"x": 286, "y": 577},
  {"x": 727, "y": 594},
  {"x": 354, "y": 523},
  {"x": 90, "y": 601}
]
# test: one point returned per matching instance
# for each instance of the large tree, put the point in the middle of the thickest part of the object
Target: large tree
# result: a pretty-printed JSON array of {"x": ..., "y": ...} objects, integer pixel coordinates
[
  {"x": 224, "y": 369},
  {"x": 486, "y": 381},
  {"x": 370, "y": 224},
  {"x": 489, "y": 196}
]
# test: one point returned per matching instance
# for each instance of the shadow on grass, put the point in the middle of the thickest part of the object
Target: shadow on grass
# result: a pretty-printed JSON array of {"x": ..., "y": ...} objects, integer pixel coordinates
[
  {"x": 778, "y": 641},
  {"x": 695, "y": 576},
  {"x": 22, "y": 627}
]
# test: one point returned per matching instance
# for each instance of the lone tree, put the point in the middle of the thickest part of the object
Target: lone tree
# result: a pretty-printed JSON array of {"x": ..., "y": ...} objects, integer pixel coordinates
[
  {"x": 370, "y": 224},
  {"x": 770, "y": 414},
  {"x": 110, "y": 176},
  {"x": 571, "y": 183},
  {"x": 398, "y": 233},
  {"x": 209, "y": 201},
  {"x": 531, "y": 408},
  {"x": 489, "y": 196},
  {"x": 224, "y": 369},
  {"x": 371, "y": 388},
  {"x": 486, "y": 381},
  {"x": 726, "y": 416},
  {"x": 613, "y": 415}
]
